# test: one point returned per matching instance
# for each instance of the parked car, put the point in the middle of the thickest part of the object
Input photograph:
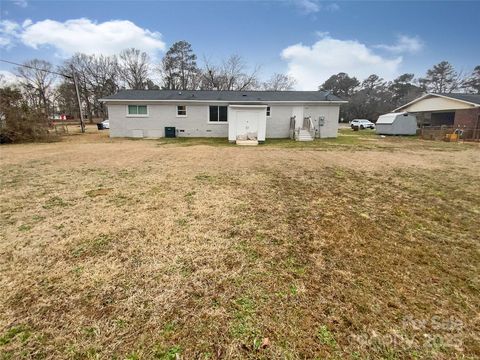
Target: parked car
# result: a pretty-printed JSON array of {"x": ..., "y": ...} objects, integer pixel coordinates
[
  {"x": 105, "y": 124},
  {"x": 362, "y": 124}
]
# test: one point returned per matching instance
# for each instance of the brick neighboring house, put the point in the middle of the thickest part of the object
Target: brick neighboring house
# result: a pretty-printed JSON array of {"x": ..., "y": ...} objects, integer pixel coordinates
[{"x": 447, "y": 110}]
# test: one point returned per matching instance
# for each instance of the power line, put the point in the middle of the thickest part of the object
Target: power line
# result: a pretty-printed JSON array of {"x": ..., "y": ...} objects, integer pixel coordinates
[
  {"x": 35, "y": 68},
  {"x": 73, "y": 77}
]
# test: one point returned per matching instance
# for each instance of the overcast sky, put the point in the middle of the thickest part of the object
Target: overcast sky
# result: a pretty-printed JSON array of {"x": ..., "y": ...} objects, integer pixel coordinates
[{"x": 308, "y": 39}]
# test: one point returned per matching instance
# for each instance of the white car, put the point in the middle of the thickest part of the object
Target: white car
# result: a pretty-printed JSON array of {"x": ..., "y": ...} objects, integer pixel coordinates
[
  {"x": 362, "y": 124},
  {"x": 105, "y": 124}
]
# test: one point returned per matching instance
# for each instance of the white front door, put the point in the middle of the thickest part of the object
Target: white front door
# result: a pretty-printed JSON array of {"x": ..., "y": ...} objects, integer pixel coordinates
[
  {"x": 297, "y": 111},
  {"x": 247, "y": 124}
]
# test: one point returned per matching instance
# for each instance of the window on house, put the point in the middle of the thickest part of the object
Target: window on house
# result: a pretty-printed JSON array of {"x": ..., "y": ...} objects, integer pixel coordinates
[
  {"x": 137, "y": 110},
  {"x": 181, "y": 110},
  {"x": 268, "y": 110},
  {"x": 218, "y": 114}
]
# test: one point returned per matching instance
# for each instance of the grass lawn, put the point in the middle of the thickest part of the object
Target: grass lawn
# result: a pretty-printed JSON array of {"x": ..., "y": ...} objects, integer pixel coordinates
[{"x": 356, "y": 247}]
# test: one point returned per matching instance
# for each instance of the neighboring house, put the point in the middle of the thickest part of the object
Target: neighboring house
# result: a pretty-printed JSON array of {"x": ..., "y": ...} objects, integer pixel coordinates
[
  {"x": 454, "y": 110},
  {"x": 236, "y": 115}
]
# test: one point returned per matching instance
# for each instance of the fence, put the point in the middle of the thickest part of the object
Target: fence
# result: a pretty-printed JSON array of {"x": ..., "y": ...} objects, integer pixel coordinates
[{"x": 442, "y": 132}]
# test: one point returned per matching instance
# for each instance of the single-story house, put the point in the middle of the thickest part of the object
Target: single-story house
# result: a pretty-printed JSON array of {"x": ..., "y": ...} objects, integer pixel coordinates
[
  {"x": 454, "y": 110},
  {"x": 236, "y": 115}
]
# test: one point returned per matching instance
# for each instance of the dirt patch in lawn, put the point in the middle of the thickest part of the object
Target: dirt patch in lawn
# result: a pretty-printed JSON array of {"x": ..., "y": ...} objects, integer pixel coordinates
[{"x": 131, "y": 249}]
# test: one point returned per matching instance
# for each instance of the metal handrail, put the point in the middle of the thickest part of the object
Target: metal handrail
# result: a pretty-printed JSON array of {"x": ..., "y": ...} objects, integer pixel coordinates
[
  {"x": 292, "y": 127},
  {"x": 292, "y": 122}
]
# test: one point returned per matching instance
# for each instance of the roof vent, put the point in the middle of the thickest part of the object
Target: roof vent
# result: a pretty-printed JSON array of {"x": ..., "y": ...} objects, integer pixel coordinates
[
  {"x": 179, "y": 93},
  {"x": 244, "y": 94}
]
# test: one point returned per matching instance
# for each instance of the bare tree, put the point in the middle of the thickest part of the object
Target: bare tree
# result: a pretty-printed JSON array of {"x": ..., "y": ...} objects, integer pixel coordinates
[
  {"x": 102, "y": 80},
  {"x": 235, "y": 76},
  {"x": 134, "y": 68},
  {"x": 209, "y": 76},
  {"x": 81, "y": 64},
  {"x": 36, "y": 81},
  {"x": 97, "y": 76},
  {"x": 279, "y": 82},
  {"x": 67, "y": 98},
  {"x": 231, "y": 74}
]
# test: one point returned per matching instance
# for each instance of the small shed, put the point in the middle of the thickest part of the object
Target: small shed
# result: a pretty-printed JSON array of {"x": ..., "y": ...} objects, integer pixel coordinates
[{"x": 397, "y": 124}]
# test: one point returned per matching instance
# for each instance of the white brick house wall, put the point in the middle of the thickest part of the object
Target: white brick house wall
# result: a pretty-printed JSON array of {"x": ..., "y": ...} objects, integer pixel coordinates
[{"x": 196, "y": 123}]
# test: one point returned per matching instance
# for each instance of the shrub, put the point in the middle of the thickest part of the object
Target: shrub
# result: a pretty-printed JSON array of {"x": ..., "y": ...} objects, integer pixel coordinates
[{"x": 18, "y": 121}]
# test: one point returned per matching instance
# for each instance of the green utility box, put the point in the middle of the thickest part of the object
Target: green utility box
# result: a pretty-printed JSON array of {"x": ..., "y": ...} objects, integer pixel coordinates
[{"x": 170, "y": 132}]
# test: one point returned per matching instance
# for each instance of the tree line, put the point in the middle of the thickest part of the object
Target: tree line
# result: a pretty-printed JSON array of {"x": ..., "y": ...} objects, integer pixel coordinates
[
  {"x": 374, "y": 96},
  {"x": 98, "y": 76}
]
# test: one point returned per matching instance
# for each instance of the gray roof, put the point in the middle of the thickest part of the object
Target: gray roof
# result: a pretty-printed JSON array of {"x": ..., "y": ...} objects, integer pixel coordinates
[
  {"x": 473, "y": 98},
  {"x": 220, "y": 95}
]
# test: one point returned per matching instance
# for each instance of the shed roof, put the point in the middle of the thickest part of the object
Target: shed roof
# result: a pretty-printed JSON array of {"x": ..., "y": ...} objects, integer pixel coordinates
[
  {"x": 388, "y": 118},
  {"x": 221, "y": 95}
]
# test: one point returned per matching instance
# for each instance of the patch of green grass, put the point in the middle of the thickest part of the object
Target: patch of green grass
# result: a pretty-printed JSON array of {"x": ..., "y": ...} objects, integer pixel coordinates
[
  {"x": 38, "y": 218},
  {"x": 183, "y": 268},
  {"x": 90, "y": 331},
  {"x": 249, "y": 252},
  {"x": 54, "y": 201},
  {"x": 192, "y": 141},
  {"x": 243, "y": 326},
  {"x": 15, "y": 332},
  {"x": 132, "y": 356},
  {"x": 24, "y": 227},
  {"x": 292, "y": 265},
  {"x": 125, "y": 173},
  {"x": 347, "y": 139},
  {"x": 293, "y": 290},
  {"x": 168, "y": 329},
  {"x": 98, "y": 192},
  {"x": 92, "y": 246},
  {"x": 326, "y": 337},
  {"x": 77, "y": 270},
  {"x": 120, "y": 323},
  {"x": 189, "y": 196},
  {"x": 120, "y": 200},
  {"x": 168, "y": 354},
  {"x": 203, "y": 177},
  {"x": 101, "y": 240},
  {"x": 182, "y": 222}
]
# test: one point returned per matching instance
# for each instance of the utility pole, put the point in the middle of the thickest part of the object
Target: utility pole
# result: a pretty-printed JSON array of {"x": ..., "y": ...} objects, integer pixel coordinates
[{"x": 82, "y": 124}]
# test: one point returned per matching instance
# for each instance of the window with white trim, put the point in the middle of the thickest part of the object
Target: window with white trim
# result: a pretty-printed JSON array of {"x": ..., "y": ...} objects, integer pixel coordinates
[
  {"x": 138, "y": 110},
  {"x": 268, "y": 110},
  {"x": 181, "y": 110},
  {"x": 218, "y": 114}
]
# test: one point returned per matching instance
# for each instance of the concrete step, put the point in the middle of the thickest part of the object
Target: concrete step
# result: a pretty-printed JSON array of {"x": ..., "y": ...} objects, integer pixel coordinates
[
  {"x": 247, "y": 142},
  {"x": 303, "y": 135}
]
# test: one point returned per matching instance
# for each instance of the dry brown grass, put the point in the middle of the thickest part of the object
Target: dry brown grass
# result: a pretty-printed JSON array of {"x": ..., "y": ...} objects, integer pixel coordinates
[{"x": 362, "y": 248}]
